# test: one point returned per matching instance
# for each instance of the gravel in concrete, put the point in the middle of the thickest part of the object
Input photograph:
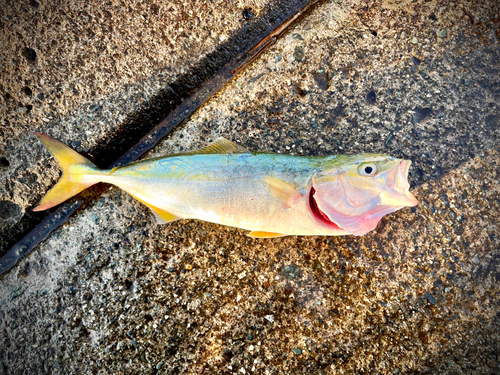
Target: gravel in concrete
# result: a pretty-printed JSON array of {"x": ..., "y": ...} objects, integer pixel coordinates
[{"x": 112, "y": 292}]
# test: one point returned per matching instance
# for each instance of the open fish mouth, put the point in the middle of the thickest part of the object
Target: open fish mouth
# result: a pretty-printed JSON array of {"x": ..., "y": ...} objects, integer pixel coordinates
[
  {"x": 318, "y": 214},
  {"x": 404, "y": 167},
  {"x": 404, "y": 198}
]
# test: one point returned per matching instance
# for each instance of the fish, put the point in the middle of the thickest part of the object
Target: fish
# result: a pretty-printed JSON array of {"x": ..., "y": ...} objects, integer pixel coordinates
[{"x": 268, "y": 194}]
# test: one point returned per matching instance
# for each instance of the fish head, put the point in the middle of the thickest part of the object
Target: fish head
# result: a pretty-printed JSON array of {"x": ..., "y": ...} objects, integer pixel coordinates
[{"x": 355, "y": 192}]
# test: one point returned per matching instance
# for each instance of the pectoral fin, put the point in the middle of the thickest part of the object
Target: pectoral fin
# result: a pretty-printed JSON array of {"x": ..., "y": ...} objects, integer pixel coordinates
[
  {"x": 260, "y": 234},
  {"x": 282, "y": 190}
]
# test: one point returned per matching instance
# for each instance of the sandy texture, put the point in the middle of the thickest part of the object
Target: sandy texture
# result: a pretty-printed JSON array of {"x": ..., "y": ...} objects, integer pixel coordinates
[{"x": 111, "y": 292}]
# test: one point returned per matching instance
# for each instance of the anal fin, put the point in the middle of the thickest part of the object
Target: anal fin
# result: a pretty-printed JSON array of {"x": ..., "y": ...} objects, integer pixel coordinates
[
  {"x": 161, "y": 216},
  {"x": 261, "y": 234}
]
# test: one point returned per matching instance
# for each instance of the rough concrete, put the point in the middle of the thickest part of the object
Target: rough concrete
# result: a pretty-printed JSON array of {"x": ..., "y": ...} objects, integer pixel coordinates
[
  {"x": 112, "y": 292},
  {"x": 100, "y": 75}
]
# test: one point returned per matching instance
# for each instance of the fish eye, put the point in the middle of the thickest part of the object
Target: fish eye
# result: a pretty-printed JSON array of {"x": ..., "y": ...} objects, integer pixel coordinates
[{"x": 368, "y": 169}]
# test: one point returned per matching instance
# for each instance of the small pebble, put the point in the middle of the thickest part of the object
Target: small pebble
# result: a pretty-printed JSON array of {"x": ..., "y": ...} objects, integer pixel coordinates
[
  {"x": 414, "y": 40},
  {"x": 475, "y": 259},
  {"x": 254, "y": 79},
  {"x": 297, "y": 351},
  {"x": 299, "y": 53},
  {"x": 441, "y": 33},
  {"x": 321, "y": 79},
  {"x": 291, "y": 271},
  {"x": 389, "y": 139},
  {"x": 430, "y": 298}
]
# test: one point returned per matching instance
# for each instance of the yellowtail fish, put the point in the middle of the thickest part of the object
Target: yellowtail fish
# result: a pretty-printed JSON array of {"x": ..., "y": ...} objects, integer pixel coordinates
[{"x": 270, "y": 195}]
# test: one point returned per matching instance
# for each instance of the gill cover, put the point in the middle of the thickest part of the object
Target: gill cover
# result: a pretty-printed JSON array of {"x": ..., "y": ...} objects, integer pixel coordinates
[{"x": 356, "y": 200}]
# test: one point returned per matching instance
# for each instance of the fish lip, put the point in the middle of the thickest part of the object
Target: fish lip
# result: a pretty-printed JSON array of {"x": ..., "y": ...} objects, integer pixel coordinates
[
  {"x": 317, "y": 213},
  {"x": 403, "y": 169},
  {"x": 412, "y": 201}
]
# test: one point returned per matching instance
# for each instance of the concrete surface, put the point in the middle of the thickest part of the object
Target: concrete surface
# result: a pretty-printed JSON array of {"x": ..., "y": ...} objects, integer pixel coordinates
[
  {"x": 99, "y": 75},
  {"x": 112, "y": 292}
]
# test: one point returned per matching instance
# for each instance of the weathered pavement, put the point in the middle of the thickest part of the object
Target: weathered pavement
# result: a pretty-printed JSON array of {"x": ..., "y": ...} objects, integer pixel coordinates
[{"x": 112, "y": 292}]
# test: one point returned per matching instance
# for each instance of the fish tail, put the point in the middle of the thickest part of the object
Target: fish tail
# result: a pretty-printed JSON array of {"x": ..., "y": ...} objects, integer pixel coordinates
[{"x": 77, "y": 173}]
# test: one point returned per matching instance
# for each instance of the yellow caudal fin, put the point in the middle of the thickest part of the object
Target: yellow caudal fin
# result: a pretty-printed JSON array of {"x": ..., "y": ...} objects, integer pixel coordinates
[{"x": 76, "y": 173}]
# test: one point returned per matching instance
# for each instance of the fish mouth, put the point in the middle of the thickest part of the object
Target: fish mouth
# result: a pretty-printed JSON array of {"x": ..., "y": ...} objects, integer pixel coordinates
[
  {"x": 317, "y": 213},
  {"x": 406, "y": 198},
  {"x": 404, "y": 168}
]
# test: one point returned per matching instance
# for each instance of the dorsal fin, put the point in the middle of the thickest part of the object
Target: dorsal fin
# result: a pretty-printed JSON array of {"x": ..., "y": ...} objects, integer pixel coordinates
[{"x": 220, "y": 146}]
